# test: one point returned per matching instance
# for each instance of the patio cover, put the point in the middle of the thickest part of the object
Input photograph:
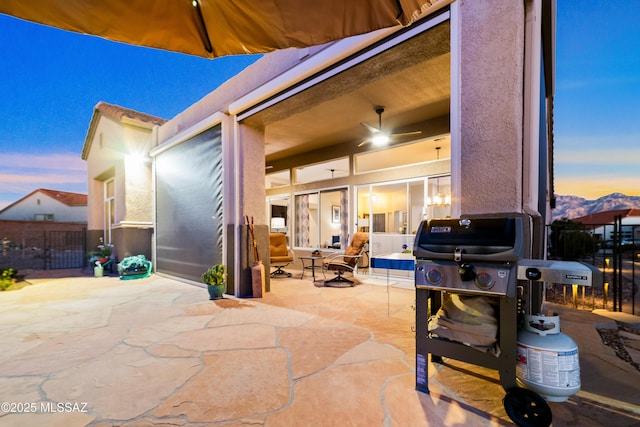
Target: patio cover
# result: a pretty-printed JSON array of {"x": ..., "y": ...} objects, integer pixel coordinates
[{"x": 212, "y": 28}]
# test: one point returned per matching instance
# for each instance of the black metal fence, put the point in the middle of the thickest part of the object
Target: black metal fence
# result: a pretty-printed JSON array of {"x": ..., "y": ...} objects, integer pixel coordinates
[
  {"x": 614, "y": 249},
  {"x": 45, "y": 250}
]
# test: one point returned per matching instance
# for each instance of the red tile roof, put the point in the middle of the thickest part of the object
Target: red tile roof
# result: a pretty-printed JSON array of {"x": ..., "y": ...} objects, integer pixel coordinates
[
  {"x": 606, "y": 217},
  {"x": 69, "y": 199}
]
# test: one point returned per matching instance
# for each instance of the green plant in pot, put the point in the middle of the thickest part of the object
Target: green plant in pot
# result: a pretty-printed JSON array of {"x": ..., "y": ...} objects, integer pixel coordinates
[{"x": 215, "y": 278}]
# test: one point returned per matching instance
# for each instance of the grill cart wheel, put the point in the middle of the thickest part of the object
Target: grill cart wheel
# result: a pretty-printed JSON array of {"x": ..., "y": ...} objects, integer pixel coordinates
[{"x": 527, "y": 408}]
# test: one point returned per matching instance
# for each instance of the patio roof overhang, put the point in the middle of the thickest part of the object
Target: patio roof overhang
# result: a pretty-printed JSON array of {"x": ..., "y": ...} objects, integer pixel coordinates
[
  {"x": 407, "y": 72},
  {"x": 212, "y": 28}
]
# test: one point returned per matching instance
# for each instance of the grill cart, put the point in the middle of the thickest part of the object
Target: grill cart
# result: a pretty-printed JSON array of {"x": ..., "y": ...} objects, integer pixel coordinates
[{"x": 479, "y": 300}]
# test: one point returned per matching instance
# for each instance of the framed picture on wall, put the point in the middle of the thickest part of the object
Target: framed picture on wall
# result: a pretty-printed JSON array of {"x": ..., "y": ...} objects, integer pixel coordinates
[{"x": 335, "y": 214}]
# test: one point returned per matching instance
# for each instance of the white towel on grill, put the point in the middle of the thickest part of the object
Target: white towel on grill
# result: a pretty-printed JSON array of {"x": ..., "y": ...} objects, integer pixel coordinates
[{"x": 470, "y": 320}]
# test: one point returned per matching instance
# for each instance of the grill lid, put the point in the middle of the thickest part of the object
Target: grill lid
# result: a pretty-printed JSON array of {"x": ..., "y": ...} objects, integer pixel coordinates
[{"x": 490, "y": 239}]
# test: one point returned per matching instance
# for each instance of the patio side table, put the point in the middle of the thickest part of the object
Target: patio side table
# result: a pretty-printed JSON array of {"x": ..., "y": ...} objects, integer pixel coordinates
[{"x": 312, "y": 266}]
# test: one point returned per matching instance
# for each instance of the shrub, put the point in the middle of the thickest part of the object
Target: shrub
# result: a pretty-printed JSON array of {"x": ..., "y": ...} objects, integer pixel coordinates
[{"x": 7, "y": 277}]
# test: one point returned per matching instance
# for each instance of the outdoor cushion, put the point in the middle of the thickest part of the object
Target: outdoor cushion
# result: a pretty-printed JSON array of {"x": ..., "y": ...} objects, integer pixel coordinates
[{"x": 355, "y": 248}]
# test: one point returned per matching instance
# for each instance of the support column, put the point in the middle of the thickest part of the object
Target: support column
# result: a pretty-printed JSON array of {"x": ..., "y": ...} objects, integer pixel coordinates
[
  {"x": 487, "y": 89},
  {"x": 249, "y": 199}
]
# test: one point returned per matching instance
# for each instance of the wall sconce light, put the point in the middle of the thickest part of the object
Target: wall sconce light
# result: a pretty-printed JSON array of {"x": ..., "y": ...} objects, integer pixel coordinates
[{"x": 138, "y": 157}]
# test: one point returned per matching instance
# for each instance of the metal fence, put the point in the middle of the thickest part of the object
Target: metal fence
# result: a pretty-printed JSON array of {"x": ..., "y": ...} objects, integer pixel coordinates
[
  {"x": 614, "y": 249},
  {"x": 46, "y": 250}
]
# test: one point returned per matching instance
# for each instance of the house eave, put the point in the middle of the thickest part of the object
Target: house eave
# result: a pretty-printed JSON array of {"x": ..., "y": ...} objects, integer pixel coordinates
[{"x": 93, "y": 125}]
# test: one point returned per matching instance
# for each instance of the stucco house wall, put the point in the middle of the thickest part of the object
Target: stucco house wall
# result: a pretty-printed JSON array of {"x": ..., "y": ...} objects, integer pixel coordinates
[
  {"x": 491, "y": 101},
  {"x": 495, "y": 62},
  {"x": 491, "y": 134},
  {"x": 117, "y": 147}
]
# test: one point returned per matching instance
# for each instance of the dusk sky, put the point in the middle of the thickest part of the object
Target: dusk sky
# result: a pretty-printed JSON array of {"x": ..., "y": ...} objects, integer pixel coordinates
[
  {"x": 50, "y": 80},
  {"x": 597, "y": 98}
]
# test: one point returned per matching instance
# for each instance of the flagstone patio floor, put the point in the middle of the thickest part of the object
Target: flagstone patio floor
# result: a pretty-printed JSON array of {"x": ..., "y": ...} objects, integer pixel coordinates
[{"x": 86, "y": 351}]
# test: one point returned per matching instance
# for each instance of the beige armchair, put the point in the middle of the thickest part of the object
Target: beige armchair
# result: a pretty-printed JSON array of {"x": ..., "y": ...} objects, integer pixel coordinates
[
  {"x": 280, "y": 255},
  {"x": 345, "y": 262}
]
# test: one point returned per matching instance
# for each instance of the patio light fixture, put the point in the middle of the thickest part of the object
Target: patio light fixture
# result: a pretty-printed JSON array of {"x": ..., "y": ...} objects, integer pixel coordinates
[
  {"x": 380, "y": 139},
  {"x": 439, "y": 199}
]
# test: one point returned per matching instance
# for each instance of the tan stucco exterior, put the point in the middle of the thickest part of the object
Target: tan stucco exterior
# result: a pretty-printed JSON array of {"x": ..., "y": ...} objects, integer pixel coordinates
[
  {"x": 117, "y": 148},
  {"x": 491, "y": 99},
  {"x": 483, "y": 55}
]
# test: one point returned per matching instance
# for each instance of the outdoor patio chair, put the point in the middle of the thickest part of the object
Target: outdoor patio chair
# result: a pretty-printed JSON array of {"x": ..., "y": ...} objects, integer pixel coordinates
[
  {"x": 280, "y": 254},
  {"x": 341, "y": 263}
]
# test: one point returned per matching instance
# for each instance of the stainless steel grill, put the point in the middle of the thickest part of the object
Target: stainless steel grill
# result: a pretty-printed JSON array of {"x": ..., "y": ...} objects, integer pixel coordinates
[
  {"x": 471, "y": 257},
  {"x": 484, "y": 257}
]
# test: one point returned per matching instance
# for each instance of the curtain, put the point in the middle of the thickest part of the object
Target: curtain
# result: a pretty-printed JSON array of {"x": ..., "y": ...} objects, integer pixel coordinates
[
  {"x": 344, "y": 218},
  {"x": 302, "y": 221}
]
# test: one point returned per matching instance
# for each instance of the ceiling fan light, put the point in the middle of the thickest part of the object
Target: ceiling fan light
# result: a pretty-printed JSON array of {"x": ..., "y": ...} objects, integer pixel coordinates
[{"x": 380, "y": 139}]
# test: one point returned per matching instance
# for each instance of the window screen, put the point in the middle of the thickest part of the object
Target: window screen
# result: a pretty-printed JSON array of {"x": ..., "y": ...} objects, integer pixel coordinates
[{"x": 189, "y": 206}]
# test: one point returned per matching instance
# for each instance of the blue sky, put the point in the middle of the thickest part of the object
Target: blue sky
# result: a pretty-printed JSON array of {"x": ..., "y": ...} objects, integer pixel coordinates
[
  {"x": 50, "y": 80},
  {"x": 597, "y": 99}
]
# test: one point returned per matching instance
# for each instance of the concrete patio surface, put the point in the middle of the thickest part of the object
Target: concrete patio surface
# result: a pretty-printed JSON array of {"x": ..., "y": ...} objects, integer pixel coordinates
[{"x": 85, "y": 351}]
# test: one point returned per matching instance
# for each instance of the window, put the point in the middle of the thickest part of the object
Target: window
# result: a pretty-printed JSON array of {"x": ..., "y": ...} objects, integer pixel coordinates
[
  {"x": 43, "y": 217},
  {"x": 322, "y": 171},
  {"x": 277, "y": 179},
  {"x": 109, "y": 209},
  {"x": 316, "y": 214},
  {"x": 391, "y": 213},
  {"x": 279, "y": 214},
  {"x": 403, "y": 155}
]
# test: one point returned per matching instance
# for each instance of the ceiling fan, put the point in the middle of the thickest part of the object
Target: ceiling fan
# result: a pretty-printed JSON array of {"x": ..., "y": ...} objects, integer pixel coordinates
[{"x": 380, "y": 137}]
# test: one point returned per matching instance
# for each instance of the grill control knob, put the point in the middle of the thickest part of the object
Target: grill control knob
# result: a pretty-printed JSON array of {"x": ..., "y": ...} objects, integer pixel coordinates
[
  {"x": 467, "y": 272},
  {"x": 484, "y": 280},
  {"x": 433, "y": 276}
]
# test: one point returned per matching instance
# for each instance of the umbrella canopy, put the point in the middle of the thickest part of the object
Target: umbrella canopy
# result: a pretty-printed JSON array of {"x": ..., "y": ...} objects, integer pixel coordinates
[{"x": 212, "y": 28}]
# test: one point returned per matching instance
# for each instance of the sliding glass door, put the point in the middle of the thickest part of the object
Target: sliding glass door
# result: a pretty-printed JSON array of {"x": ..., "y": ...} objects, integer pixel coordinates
[
  {"x": 392, "y": 212},
  {"x": 322, "y": 219}
]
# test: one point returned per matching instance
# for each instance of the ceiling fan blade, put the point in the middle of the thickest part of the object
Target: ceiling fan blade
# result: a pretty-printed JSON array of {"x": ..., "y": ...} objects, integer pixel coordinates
[
  {"x": 371, "y": 128},
  {"x": 415, "y": 132}
]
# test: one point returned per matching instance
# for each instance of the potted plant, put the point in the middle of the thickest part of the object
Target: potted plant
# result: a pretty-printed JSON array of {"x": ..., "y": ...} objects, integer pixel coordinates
[
  {"x": 7, "y": 277},
  {"x": 105, "y": 251},
  {"x": 215, "y": 278}
]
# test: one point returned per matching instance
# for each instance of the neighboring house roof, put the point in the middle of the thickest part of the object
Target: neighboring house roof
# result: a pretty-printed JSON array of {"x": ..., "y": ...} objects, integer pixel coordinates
[
  {"x": 607, "y": 217},
  {"x": 69, "y": 199},
  {"x": 118, "y": 113}
]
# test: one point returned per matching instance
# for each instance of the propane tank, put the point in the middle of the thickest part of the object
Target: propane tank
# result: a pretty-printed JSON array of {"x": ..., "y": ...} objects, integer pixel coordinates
[{"x": 547, "y": 360}]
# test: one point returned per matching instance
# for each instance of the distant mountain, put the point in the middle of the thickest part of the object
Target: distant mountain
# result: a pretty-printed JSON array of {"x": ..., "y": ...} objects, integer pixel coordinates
[{"x": 571, "y": 207}]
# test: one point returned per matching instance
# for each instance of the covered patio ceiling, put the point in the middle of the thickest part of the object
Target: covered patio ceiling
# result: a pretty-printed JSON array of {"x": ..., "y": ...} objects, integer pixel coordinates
[{"x": 412, "y": 82}]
